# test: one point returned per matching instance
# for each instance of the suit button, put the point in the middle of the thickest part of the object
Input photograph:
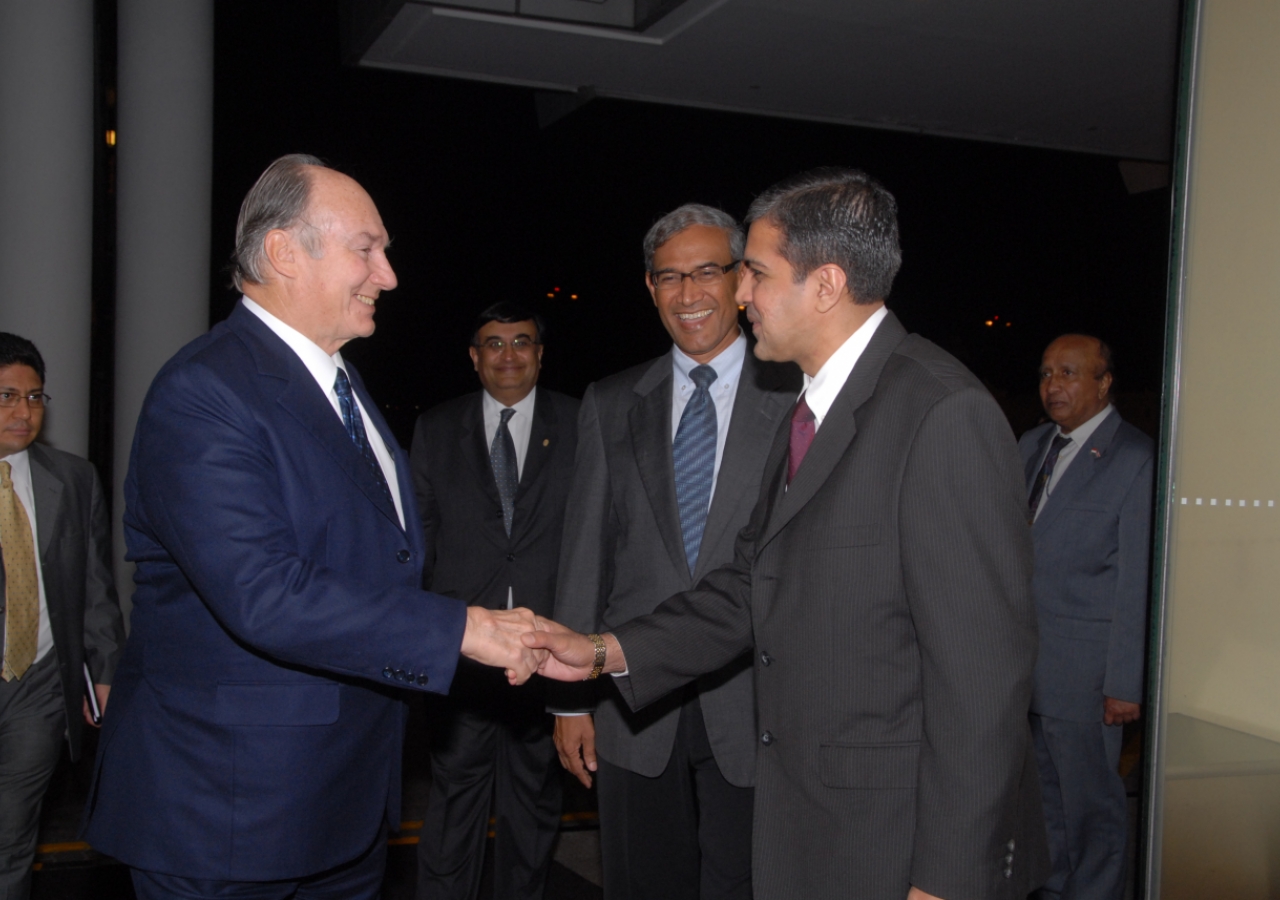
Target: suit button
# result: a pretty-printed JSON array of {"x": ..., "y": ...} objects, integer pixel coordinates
[
  {"x": 511, "y": 557},
  {"x": 765, "y": 658},
  {"x": 422, "y": 680},
  {"x": 1008, "y": 860},
  {"x": 766, "y": 738},
  {"x": 388, "y": 672},
  {"x": 1008, "y": 873},
  {"x": 400, "y": 676},
  {"x": 403, "y": 556},
  {"x": 1011, "y": 845}
]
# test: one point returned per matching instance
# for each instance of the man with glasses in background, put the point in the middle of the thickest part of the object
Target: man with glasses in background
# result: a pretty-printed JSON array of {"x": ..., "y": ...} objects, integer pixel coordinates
[
  {"x": 669, "y": 464},
  {"x": 58, "y": 609},
  {"x": 492, "y": 472}
]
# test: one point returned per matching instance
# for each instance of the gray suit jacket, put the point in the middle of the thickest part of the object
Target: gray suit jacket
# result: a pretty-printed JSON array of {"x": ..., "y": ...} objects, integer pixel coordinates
[
  {"x": 887, "y": 593},
  {"x": 623, "y": 553},
  {"x": 75, "y": 560},
  {"x": 1093, "y": 555}
]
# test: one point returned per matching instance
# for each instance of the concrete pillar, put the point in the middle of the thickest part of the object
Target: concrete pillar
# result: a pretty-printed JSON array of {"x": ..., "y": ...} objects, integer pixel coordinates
[
  {"x": 46, "y": 198},
  {"x": 164, "y": 163}
]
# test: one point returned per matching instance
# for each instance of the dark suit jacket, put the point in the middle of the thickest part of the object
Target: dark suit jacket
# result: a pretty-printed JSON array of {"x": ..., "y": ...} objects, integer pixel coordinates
[
  {"x": 468, "y": 552},
  {"x": 887, "y": 594},
  {"x": 1093, "y": 554},
  {"x": 255, "y": 725},
  {"x": 75, "y": 561},
  {"x": 624, "y": 554}
]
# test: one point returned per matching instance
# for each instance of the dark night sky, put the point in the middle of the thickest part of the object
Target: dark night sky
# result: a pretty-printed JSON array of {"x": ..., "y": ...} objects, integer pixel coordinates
[{"x": 483, "y": 205}]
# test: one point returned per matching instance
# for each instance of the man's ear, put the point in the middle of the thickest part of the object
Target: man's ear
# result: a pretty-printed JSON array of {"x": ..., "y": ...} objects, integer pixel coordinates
[
  {"x": 653, "y": 289},
  {"x": 830, "y": 283},
  {"x": 475, "y": 358},
  {"x": 1104, "y": 385},
  {"x": 281, "y": 251}
]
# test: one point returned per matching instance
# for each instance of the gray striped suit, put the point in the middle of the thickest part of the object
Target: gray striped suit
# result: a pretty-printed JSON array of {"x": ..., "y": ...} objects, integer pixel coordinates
[{"x": 887, "y": 596}]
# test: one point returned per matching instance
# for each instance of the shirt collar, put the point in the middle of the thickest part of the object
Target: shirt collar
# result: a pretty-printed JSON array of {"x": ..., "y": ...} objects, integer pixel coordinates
[
  {"x": 1082, "y": 434},
  {"x": 821, "y": 390},
  {"x": 727, "y": 363},
  {"x": 522, "y": 407},
  {"x": 18, "y": 462},
  {"x": 322, "y": 366}
]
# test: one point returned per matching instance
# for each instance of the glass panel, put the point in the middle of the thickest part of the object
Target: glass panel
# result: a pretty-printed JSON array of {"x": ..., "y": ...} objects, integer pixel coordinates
[{"x": 1216, "y": 815}]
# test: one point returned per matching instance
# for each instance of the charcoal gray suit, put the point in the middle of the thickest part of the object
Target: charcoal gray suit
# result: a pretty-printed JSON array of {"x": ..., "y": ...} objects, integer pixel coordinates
[
  {"x": 623, "y": 554},
  {"x": 887, "y": 596},
  {"x": 74, "y": 549},
  {"x": 1093, "y": 550},
  {"x": 490, "y": 742}
]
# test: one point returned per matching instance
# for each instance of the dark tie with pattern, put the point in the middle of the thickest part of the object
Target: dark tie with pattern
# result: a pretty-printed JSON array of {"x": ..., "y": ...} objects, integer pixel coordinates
[
  {"x": 354, "y": 423},
  {"x": 1046, "y": 473},
  {"x": 803, "y": 428},
  {"x": 502, "y": 456},
  {"x": 694, "y": 457}
]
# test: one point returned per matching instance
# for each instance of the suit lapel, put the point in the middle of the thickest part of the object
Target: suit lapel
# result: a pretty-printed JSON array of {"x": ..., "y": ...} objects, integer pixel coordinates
[
  {"x": 839, "y": 427},
  {"x": 46, "y": 489},
  {"x": 475, "y": 450},
  {"x": 544, "y": 432},
  {"x": 1087, "y": 463},
  {"x": 650, "y": 423},
  {"x": 302, "y": 399},
  {"x": 753, "y": 423}
]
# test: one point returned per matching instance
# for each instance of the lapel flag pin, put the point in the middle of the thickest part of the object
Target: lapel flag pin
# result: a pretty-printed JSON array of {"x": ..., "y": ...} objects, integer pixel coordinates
[{"x": 1097, "y": 454}]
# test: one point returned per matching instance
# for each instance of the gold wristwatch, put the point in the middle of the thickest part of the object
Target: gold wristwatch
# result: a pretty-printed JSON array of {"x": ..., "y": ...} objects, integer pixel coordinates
[{"x": 600, "y": 652}]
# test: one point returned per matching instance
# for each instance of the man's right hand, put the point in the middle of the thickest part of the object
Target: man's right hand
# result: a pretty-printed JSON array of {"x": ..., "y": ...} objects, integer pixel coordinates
[
  {"x": 575, "y": 739},
  {"x": 493, "y": 638}
]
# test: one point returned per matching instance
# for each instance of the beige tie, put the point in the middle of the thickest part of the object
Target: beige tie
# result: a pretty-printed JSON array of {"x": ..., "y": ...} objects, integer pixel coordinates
[{"x": 22, "y": 591}]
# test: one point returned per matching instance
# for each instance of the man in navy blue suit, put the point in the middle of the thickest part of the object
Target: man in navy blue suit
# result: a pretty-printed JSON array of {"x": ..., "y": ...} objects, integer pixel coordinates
[
  {"x": 253, "y": 743},
  {"x": 1089, "y": 479}
]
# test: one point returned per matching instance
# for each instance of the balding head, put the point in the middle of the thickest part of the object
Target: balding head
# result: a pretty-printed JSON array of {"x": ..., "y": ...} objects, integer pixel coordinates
[{"x": 1075, "y": 380}]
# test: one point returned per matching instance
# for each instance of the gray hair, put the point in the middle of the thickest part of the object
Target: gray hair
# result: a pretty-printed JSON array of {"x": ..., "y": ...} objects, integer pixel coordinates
[
  {"x": 687, "y": 216},
  {"x": 277, "y": 200},
  {"x": 840, "y": 216}
]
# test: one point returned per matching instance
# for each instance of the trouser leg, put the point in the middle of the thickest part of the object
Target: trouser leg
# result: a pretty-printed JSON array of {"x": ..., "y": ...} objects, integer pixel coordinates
[
  {"x": 33, "y": 725},
  {"x": 359, "y": 879},
  {"x": 456, "y": 824},
  {"x": 1079, "y": 761},
  {"x": 724, "y": 816},
  {"x": 527, "y": 797},
  {"x": 649, "y": 832}
]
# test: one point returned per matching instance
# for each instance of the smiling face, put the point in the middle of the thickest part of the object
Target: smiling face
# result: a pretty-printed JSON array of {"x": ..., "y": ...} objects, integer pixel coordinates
[
  {"x": 335, "y": 294},
  {"x": 508, "y": 374},
  {"x": 19, "y": 425},
  {"x": 1070, "y": 388},
  {"x": 779, "y": 309},
  {"x": 702, "y": 319}
]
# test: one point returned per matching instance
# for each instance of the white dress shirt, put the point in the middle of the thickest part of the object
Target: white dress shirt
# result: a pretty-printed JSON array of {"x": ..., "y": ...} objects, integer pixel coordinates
[
  {"x": 821, "y": 390},
  {"x": 519, "y": 425},
  {"x": 20, "y": 473},
  {"x": 324, "y": 369},
  {"x": 728, "y": 366},
  {"x": 1079, "y": 437}
]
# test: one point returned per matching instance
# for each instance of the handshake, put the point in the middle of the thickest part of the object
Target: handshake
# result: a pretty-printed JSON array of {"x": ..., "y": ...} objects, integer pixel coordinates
[{"x": 523, "y": 643}]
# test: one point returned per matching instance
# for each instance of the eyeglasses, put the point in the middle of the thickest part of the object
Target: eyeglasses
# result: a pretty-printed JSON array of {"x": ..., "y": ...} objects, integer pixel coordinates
[
  {"x": 519, "y": 345},
  {"x": 35, "y": 400},
  {"x": 670, "y": 280}
]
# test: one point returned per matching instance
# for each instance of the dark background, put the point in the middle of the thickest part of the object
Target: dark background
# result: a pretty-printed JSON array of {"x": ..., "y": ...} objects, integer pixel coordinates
[{"x": 483, "y": 205}]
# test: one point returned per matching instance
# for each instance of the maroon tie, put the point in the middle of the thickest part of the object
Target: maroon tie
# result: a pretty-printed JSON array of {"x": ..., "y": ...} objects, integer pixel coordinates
[{"x": 802, "y": 431}]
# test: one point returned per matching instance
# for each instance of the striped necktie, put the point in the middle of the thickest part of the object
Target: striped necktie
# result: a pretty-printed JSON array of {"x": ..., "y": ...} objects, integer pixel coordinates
[{"x": 693, "y": 455}]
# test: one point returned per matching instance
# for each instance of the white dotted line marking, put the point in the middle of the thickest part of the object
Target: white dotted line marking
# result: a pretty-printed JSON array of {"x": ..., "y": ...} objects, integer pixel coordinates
[{"x": 1228, "y": 501}]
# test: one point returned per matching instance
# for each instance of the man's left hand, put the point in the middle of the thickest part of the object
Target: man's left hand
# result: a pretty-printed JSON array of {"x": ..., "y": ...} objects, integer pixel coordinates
[
  {"x": 100, "y": 691},
  {"x": 1120, "y": 712}
]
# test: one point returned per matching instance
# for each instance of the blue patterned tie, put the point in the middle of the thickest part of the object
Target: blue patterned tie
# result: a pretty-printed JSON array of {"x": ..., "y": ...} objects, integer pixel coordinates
[
  {"x": 502, "y": 456},
  {"x": 694, "y": 457},
  {"x": 354, "y": 422}
]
